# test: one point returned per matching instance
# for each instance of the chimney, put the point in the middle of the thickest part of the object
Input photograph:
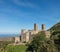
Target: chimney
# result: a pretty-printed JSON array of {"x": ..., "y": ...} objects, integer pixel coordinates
[
  {"x": 43, "y": 27},
  {"x": 35, "y": 27}
]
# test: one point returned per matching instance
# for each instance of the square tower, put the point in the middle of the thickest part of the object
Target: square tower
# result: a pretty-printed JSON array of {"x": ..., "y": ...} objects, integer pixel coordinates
[
  {"x": 35, "y": 27},
  {"x": 43, "y": 27}
]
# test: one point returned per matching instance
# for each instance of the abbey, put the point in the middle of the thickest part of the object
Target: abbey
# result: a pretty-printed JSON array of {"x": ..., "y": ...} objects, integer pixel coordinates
[{"x": 27, "y": 36}]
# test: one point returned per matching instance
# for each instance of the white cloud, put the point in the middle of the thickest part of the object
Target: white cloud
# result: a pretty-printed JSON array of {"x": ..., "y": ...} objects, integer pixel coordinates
[
  {"x": 55, "y": 19},
  {"x": 25, "y": 4}
]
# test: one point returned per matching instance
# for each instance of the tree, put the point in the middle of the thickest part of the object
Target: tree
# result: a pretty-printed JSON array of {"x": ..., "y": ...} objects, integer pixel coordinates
[
  {"x": 38, "y": 42},
  {"x": 56, "y": 37},
  {"x": 41, "y": 44}
]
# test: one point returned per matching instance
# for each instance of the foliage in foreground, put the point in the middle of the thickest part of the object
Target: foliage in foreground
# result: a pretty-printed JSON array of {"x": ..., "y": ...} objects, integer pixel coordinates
[
  {"x": 16, "y": 48},
  {"x": 4, "y": 47},
  {"x": 41, "y": 44},
  {"x": 56, "y": 37}
]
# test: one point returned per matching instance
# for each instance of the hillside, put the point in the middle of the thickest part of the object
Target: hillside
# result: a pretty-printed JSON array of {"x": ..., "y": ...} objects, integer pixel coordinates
[
  {"x": 13, "y": 48},
  {"x": 16, "y": 48},
  {"x": 55, "y": 32},
  {"x": 56, "y": 27}
]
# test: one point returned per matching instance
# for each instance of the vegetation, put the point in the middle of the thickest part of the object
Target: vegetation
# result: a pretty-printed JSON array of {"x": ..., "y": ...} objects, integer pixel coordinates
[
  {"x": 39, "y": 43},
  {"x": 4, "y": 47},
  {"x": 55, "y": 35},
  {"x": 56, "y": 27},
  {"x": 16, "y": 48}
]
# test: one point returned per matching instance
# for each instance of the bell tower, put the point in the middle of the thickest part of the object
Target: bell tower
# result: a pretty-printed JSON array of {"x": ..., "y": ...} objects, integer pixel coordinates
[
  {"x": 43, "y": 27},
  {"x": 35, "y": 27}
]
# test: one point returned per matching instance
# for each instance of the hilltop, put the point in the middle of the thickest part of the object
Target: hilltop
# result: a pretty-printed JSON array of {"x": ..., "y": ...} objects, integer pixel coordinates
[{"x": 55, "y": 27}]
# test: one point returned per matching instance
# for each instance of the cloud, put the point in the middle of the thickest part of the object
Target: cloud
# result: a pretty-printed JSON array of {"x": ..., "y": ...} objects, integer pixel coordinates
[
  {"x": 25, "y": 4},
  {"x": 55, "y": 19},
  {"x": 12, "y": 9}
]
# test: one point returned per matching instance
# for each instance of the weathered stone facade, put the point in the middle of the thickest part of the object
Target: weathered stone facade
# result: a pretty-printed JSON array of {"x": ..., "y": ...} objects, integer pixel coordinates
[
  {"x": 17, "y": 39},
  {"x": 27, "y": 36}
]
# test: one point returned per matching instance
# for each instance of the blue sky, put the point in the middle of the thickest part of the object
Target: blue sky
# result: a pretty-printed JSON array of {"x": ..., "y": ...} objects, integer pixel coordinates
[{"x": 22, "y": 14}]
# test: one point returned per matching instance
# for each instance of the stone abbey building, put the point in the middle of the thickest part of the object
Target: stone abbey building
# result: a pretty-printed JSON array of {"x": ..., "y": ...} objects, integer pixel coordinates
[{"x": 27, "y": 36}]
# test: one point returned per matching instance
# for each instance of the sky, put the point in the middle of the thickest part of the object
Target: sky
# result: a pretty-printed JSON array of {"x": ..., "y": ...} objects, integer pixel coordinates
[{"x": 22, "y": 14}]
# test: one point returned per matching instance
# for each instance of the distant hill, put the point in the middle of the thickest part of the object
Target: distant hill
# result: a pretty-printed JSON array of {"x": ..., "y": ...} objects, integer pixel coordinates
[
  {"x": 56, "y": 27},
  {"x": 6, "y": 38}
]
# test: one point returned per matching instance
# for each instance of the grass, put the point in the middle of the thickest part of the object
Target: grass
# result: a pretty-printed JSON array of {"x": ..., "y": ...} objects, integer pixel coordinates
[{"x": 16, "y": 48}]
